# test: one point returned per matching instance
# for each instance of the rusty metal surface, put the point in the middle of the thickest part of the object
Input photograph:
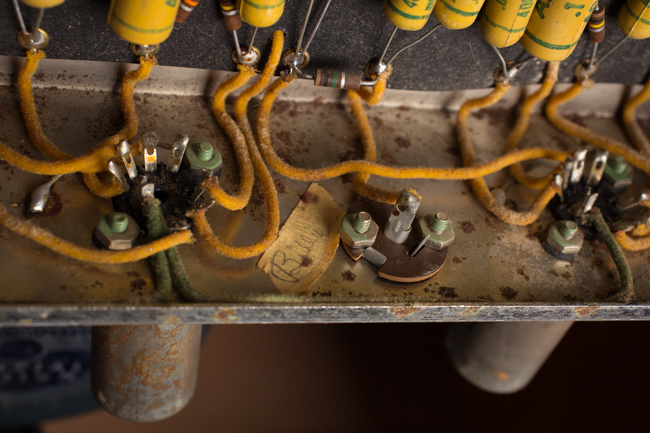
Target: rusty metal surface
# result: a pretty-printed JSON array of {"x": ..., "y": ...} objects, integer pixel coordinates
[
  {"x": 144, "y": 373},
  {"x": 494, "y": 271}
]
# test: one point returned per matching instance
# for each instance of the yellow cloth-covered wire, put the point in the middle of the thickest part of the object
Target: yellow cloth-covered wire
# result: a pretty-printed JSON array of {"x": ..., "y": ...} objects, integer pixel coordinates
[
  {"x": 523, "y": 119},
  {"x": 632, "y": 244},
  {"x": 270, "y": 193},
  {"x": 360, "y": 182},
  {"x": 586, "y": 135},
  {"x": 93, "y": 162},
  {"x": 632, "y": 127},
  {"x": 47, "y": 239},
  {"x": 247, "y": 178},
  {"x": 318, "y": 174},
  {"x": 49, "y": 149},
  {"x": 480, "y": 187}
]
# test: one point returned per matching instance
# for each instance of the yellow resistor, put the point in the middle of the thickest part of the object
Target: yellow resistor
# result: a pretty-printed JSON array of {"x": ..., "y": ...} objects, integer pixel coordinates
[
  {"x": 634, "y": 19},
  {"x": 555, "y": 28},
  {"x": 408, "y": 14},
  {"x": 457, "y": 14},
  {"x": 143, "y": 22},
  {"x": 43, "y": 4},
  {"x": 260, "y": 13},
  {"x": 503, "y": 21}
]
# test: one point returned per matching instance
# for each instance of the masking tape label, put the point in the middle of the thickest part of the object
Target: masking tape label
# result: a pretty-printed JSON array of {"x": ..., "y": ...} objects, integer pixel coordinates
[{"x": 306, "y": 244}]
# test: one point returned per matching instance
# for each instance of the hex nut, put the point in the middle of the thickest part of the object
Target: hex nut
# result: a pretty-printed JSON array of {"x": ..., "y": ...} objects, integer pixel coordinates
[
  {"x": 200, "y": 168},
  {"x": 116, "y": 241},
  {"x": 560, "y": 244},
  {"x": 618, "y": 173},
  {"x": 352, "y": 238},
  {"x": 436, "y": 241}
]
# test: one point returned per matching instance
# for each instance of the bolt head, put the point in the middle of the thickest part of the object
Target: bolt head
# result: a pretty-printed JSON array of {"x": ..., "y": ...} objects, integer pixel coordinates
[
  {"x": 198, "y": 168},
  {"x": 352, "y": 238},
  {"x": 559, "y": 243},
  {"x": 619, "y": 179},
  {"x": 116, "y": 241},
  {"x": 436, "y": 241}
]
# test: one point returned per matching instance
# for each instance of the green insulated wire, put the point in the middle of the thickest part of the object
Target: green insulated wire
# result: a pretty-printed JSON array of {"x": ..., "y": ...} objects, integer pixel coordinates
[
  {"x": 626, "y": 293},
  {"x": 168, "y": 268},
  {"x": 157, "y": 228}
]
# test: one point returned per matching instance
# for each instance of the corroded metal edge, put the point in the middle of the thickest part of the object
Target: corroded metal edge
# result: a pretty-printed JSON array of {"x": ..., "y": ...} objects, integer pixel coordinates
[{"x": 213, "y": 314}]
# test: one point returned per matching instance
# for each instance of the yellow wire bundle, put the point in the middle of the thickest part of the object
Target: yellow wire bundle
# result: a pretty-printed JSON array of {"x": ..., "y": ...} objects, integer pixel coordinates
[{"x": 480, "y": 187}]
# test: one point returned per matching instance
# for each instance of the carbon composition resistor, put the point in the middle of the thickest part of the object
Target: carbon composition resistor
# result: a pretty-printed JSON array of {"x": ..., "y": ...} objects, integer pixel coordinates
[
  {"x": 231, "y": 18},
  {"x": 143, "y": 22},
  {"x": 457, "y": 14},
  {"x": 555, "y": 28},
  {"x": 186, "y": 8},
  {"x": 43, "y": 4},
  {"x": 634, "y": 19},
  {"x": 596, "y": 24},
  {"x": 503, "y": 22},
  {"x": 409, "y": 15},
  {"x": 260, "y": 13},
  {"x": 337, "y": 80}
]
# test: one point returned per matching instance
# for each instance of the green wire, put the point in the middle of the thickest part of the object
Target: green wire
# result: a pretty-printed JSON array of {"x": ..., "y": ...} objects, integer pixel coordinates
[{"x": 626, "y": 293}]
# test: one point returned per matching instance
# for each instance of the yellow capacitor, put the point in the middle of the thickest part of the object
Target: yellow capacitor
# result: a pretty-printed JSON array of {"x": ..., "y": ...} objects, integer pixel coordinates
[
  {"x": 555, "y": 28},
  {"x": 634, "y": 19},
  {"x": 143, "y": 22},
  {"x": 260, "y": 13},
  {"x": 408, "y": 14},
  {"x": 457, "y": 14},
  {"x": 503, "y": 21},
  {"x": 42, "y": 4}
]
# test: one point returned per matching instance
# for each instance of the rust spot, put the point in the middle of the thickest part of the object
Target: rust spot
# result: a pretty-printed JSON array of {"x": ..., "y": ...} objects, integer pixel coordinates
[
  {"x": 53, "y": 207},
  {"x": 566, "y": 275},
  {"x": 387, "y": 156},
  {"x": 467, "y": 227},
  {"x": 553, "y": 272},
  {"x": 401, "y": 312},
  {"x": 492, "y": 223},
  {"x": 457, "y": 260},
  {"x": 317, "y": 293},
  {"x": 521, "y": 272},
  {"x": 225, "y": 315},
  {"x": 306, "y": 261},
  {"x": 284, "y": 137},
  {"x": 586, "y": 311},
  {"x": 280, "y": 186},
  {"x": 447, "y": 292},
  {"x": 280, "y": 107},
  {"x": 309, "y": 197},
  {"x": 402, "y": 143},
  {"x": 138, "y": 285},
  {"x": 501, "y": 375},
  {"x": 471, "y": 310},
  {"x": 348, "y": 276},
  {"x": 508, "y": 292}
]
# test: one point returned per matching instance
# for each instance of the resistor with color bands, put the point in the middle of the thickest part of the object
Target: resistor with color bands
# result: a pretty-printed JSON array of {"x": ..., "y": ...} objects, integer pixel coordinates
[
  {"x": 634, "y": 19},
  {"x": 143, "y": 22},
  {"x": 596, "y": 24},
  {"x": 260, "y": 13},
  {"x": 42, "y": 4},
  {"x": 503, "y": 21},
  {"x": 555, "y": 28},
  {"x": 408, "y": 14},
  {"x": 457, "y": 14},
  {"x": 337, "y": 80},
  {"x": 231, "y": 18},
  {"x": 186, "y": 8}
]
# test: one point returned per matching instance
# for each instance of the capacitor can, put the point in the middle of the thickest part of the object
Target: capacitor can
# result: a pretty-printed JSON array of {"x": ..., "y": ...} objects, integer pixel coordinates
[
  {"x": 260, "y": 13},
  {"x": 409, "y": 15},
  {"x": 634, "y": 19},
  {"x": 457, "y": 14},
  {"x": 555, "y": 28},
  {"x": 143, "y": 22},
  {"x": 503, "y": 21}
]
